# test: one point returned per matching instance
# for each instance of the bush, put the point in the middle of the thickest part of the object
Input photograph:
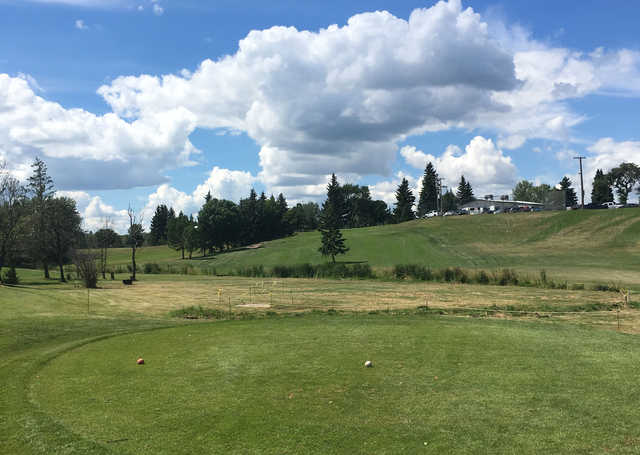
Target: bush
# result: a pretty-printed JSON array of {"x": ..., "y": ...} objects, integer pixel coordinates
[
  {"x": 577, "y": 287},
  {"x": 505, "y": 277},
  {"x": 152, "y": 267},
  {"x": 199, "y": 312},
  {"x": 414, "y": 271},
  {"x": 482, "y": 277},
  {"x": 250, "y": 271},
  {"x": 10, "y": 277},
  {"x": 87, "y": 269}
]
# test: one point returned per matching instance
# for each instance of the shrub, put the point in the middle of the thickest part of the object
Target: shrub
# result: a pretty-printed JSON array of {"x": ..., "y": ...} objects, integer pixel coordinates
[
  {"x": 152, "y": 267},
  {"x": 505, "y": 277},
  {"x": 87, "y": 269},
  {"x": 414, "y": 271},
  {"x": 482, "y": 277},
  {"x": 199, "y": 312},
  {"x": 10, "y": 276}
]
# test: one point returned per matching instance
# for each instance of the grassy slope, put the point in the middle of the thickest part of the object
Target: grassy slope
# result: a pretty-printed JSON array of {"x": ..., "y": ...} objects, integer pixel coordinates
[{"x": 590, "y": 246}]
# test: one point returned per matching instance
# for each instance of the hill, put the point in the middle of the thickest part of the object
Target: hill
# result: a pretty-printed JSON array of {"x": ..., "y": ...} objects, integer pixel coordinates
[{"x": 588, "y": 246}]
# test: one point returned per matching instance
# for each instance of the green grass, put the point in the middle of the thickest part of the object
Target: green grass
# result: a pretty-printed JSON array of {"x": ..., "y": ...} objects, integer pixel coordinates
[
  {"x": 298, "y": 385},
  {"x": 591, "y": 246}
]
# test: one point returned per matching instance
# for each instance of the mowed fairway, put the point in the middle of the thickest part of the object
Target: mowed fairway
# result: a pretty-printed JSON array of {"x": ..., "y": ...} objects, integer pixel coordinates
[{"x": 298, "y": 385}]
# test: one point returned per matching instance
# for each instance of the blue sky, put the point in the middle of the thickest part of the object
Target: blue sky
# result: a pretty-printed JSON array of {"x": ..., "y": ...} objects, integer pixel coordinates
[{"x": 509, "y": 90}]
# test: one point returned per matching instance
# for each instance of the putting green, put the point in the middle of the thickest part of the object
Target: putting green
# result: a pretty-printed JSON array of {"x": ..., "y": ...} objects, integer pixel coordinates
[{"x": 298, "y": 385}]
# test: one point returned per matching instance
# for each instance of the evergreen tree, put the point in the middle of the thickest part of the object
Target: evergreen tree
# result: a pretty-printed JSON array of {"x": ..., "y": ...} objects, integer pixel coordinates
[
  {"x": 335, "y": 201},
  {"x": 601, "y": 191},
  {"x": 404, "y": 203},
  {"x": 570, "y": 199},
  {"x": 330, "y": 221},
  {"x": 428, "y": 200},
  {"x": 159, "y": 225},
  {"x": 40, "y": 187},
  {"x": 464, "y": 192},
  {"x": 449, "y": 201}
]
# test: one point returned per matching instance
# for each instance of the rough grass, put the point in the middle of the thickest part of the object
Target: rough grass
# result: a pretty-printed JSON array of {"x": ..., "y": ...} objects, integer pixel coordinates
[{"x": 588, "y": 246}]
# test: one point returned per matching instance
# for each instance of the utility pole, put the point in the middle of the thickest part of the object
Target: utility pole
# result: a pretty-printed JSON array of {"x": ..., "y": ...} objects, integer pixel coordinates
[
  {"x": 439, "y": 205},
  {"x": 580, "y": 158}
]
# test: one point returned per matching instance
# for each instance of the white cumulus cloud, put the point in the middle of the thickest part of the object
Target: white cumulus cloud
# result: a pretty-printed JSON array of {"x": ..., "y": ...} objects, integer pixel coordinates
[{"x": 481, "y": 163}]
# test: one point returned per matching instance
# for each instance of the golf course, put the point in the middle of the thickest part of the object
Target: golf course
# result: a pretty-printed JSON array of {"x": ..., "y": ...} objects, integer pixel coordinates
[{"x": 269, "y": 365}]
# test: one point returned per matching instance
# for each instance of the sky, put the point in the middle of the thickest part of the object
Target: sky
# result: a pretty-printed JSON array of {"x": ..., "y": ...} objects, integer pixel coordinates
[{"x": 146, "y": 102}]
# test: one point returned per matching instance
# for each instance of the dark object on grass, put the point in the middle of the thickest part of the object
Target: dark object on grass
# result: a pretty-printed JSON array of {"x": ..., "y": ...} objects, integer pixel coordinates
[
  {"x": 140, "y": 361},
  {"x": 127, "y": 282}
]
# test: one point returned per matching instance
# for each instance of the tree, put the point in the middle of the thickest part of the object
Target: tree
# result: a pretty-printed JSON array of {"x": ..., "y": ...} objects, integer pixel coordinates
[
  {"x": 332, "y": 242},
  {"x": 159, "y": 225},
  {"x": 404, "y": 203},
  {"x": 464, "y": 192},
  {"x": 176, "y": 233},
  {"x": 12, "y": 211},
  {"x": 449, "y": 201},
  {"x": 135, "y": 237},
  {"x": 304, "y": 217},
  {"x": 65, "y": 231},
  {"x": 190, "y": 236},
  {"x": 40, "y": 187},
  {"x": 624, "y": 178},
  {"x": 218, "y": 224},
  {"x": 523, "y": 191},
  {"x": 540, "y": 193},
  {"x": 105, "y": 238},
  {"x": 601, "y": 191},
  {"x": 428, "y": 200},
  {"x": 570, "y": 198}
]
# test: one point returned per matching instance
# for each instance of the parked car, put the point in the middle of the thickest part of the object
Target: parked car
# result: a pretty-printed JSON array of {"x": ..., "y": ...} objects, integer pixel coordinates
[
  {"x": 431, "y": 214},
  {"x": 612, "y": 205},
  {"x": 594, "y": 206},
  {"x": 450, "y": 213}
]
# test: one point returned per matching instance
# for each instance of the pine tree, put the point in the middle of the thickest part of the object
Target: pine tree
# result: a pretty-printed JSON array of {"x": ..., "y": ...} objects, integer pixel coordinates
[
  {"x": 330, "y": 220},
  {"x": 449, "y": 201},
  {"x": 40, "y": 187},
  {"x": 404, "y": 203},
  {"x": 159, "y": 225},
  {"x": 428, "y": 200},
  {"x": 570, "y": 199},
  {"x": 601, "y": 191},
  {"x": 464, "y": 192}
]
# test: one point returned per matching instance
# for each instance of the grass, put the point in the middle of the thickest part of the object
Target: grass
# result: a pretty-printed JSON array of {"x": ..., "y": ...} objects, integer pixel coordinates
[
  {"x": 297, "y": 385},
  {"x": 591, "y": 246},
  {"x": 277, "y": 379}
]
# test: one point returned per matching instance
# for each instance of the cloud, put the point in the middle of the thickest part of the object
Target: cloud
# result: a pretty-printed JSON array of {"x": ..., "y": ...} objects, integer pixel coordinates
[
  {"x": 359, "y": 89},
  {"x": 86, "y": 151},
  {"x": 386, "y": 189},
  {"x": 80, "y": 25},
  {"x": 482, "y": 164},
  {"x": 158, "y": 10},
  {"x": 338, "y": 99},
  {"x": 222, "y": 183}
]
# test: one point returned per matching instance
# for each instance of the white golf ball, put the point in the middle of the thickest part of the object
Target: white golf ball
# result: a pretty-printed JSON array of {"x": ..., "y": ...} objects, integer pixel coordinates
[{"x": 368, "y": 364}]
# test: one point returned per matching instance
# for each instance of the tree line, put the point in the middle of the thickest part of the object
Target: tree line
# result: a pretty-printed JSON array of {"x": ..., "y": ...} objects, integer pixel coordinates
[{"x": 622, "y": 178}]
